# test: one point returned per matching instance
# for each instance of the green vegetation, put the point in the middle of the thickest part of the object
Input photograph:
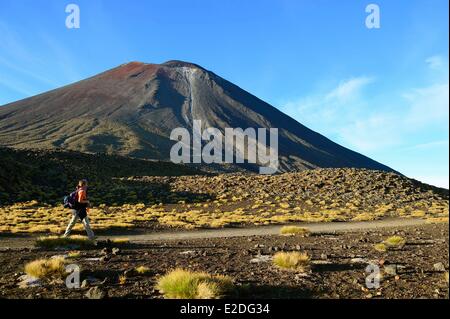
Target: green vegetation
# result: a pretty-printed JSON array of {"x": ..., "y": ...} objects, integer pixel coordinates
[
  {"x": 393, "y": 242},
  {"x": 183, "y": 284}
]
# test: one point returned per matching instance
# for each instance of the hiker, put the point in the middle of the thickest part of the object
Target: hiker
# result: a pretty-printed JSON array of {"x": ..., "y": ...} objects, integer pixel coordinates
[{"x": 80, "y": 209}]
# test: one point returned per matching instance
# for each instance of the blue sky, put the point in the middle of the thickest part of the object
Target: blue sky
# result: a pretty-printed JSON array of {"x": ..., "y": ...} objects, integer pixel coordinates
[{"x": 383, "y": 92}]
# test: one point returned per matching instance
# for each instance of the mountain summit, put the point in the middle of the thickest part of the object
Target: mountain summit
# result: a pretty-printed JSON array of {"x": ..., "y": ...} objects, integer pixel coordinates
[{"x": 132, "y": 109}]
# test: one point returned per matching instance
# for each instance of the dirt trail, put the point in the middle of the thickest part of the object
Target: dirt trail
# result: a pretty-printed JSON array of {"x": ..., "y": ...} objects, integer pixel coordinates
[
  {"x": 271, "y": 230},
  {"x": 27, "y": 242}
]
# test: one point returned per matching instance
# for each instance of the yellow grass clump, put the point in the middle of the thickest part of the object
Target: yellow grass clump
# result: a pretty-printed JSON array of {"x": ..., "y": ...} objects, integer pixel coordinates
[
  {"x": 380, "y": 247},
  {"x": 120, "y": 241},
  {"x": 184, "y": 284},
  {"x": 292, "y": 261},
  {"x": 395, "y": 242},
  {"x": 73, "y": 254},
  {"x": 294, "y": 230},
  {"x": 122, "y": 279},
  {"x": 46, "y": 268},
  {"x": 142, "y": 270}
]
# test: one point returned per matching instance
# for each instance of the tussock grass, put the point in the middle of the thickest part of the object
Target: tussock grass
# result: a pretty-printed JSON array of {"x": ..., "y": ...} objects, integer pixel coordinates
[
  {"x": 395, "y": 242},
  {"x": 380, "y": 247},
  {"x": 294, "y": 230},
  {"x": 122, "y": 280},
  {"x": 184, "y": 284},
  {"x": 142, "y": 270},
  {"x": 228, "y": 200},
  {"x": 46, "y": 268},
  {"x": 292, "y": 261},
  {"x": 73, "y": 254},
  {"x": 56, "y": 241}
]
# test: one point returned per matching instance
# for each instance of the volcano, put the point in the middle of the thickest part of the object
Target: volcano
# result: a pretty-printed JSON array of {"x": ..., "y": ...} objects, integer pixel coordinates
[{"x": 131, "y": 110}]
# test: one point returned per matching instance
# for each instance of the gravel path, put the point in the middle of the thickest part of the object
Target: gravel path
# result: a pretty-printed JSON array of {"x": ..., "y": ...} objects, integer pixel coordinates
[
  {"x": 272, "y": 230},
  {"x": 28, "y": 241}
]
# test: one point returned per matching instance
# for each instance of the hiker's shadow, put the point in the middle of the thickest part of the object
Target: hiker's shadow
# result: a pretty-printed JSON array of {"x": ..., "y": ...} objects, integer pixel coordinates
[{"x": 333, "y": 267}]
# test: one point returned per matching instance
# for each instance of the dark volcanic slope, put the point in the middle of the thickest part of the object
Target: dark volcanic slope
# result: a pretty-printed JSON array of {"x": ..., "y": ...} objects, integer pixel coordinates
[{"x": 131, "y": 110}]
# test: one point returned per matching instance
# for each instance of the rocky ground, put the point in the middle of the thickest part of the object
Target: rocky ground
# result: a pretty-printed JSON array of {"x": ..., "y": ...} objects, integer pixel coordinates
[{"x": 338, "y": 266}]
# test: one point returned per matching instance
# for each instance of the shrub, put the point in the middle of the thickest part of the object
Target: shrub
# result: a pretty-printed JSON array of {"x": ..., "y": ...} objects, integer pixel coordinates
[
  {"x": 183, "y": 284},
  {"x": 294, "y": 230},
  {"x": 46, "y": 268},
  {"x": 292, "y": 260}
]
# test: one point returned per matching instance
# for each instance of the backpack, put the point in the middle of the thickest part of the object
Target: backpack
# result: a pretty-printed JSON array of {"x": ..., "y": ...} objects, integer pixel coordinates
[{"x": 71, "y": 200}]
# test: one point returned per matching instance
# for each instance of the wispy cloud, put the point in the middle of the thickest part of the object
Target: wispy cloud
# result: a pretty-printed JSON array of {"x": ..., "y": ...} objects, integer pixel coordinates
[
  {"x": 333, "y": 112},
  {"x": 23, "y": 70},
  {"x": 63, "y": 58},
  {"x": 398, "y": 126},
  {"x": 26, "y": 72},
  {"x": 12, "y": 46},
  {"x": 322, "y": 109},
  {"x": 428, "y": 105},
  {"x": 349, "y": 90},
  {"x": 348, "y": 115},
  {"x": 429, "y": 145},
  {"x": 18, "y": 87},
  {"x": 436, "y": 62}
]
